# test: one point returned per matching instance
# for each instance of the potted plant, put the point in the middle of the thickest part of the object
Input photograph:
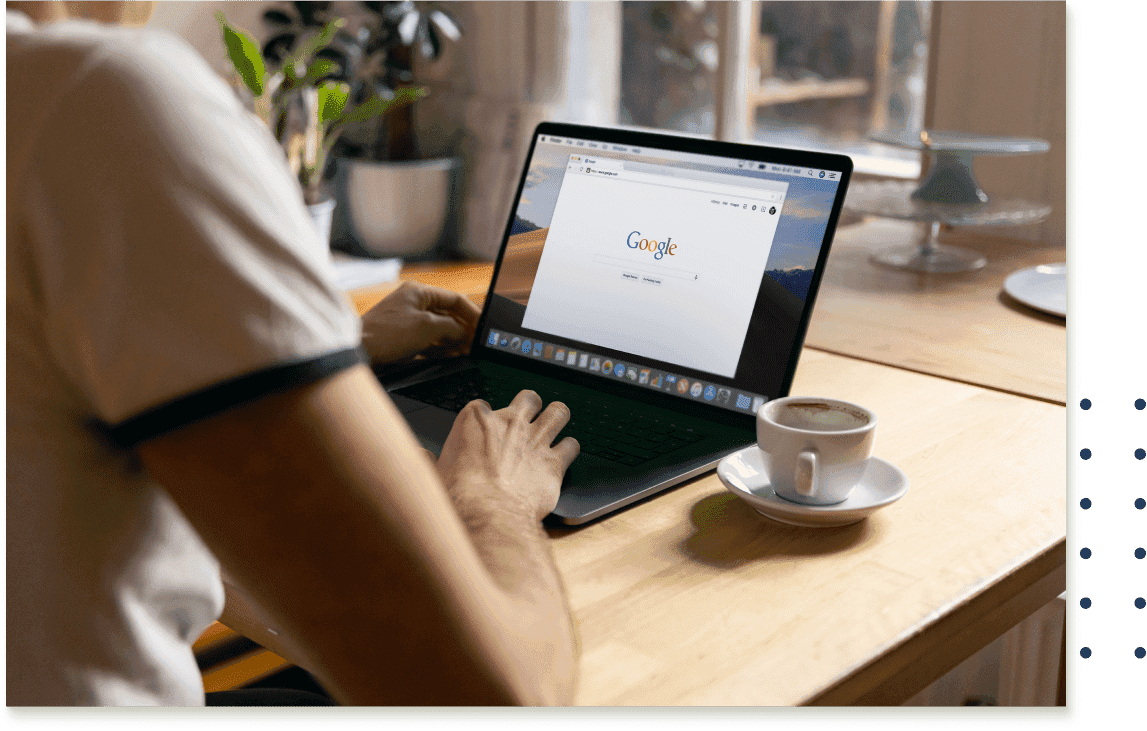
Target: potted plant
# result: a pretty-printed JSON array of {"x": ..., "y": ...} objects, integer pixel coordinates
[
  {"x": 392, "y": 201},
  {"x": 301, "y": 99}
]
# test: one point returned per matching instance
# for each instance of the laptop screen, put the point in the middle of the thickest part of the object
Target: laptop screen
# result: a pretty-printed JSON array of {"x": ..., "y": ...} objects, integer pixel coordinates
[{"x": 672, "y": 270}]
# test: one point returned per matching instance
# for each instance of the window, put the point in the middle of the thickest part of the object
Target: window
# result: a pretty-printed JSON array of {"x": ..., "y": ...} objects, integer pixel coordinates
[
  {"x": 817, "y": 75},
  {"x": 669, "y": 62}
]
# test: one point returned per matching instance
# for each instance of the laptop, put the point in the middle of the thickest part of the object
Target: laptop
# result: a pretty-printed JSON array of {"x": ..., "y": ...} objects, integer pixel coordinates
[{"x": 659, "y": 286}]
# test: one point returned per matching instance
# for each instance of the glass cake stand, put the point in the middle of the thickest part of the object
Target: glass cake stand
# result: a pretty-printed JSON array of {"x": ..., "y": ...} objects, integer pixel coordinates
[{"x": 949, "y": 195}]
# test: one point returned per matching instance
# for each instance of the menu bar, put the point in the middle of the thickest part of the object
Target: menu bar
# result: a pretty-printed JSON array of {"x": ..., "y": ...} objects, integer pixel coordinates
[
  {"x": 590, "y": 145},
  {"x": 791, "y": 170}
]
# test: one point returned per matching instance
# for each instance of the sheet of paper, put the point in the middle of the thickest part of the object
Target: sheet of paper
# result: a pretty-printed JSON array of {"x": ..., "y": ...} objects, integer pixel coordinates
[{"x": 353, "y": 273}]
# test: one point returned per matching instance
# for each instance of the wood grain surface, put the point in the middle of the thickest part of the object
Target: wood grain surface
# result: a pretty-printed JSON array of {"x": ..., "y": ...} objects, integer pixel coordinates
[
  {"x": 960, "y": 326},
  {"x": 470, "y": 278},
  {"x": 693, "y": 598}
]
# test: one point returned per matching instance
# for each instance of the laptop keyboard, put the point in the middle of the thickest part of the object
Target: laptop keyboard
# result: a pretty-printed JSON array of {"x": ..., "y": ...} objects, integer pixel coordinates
[{"x": 612, "y": 431}]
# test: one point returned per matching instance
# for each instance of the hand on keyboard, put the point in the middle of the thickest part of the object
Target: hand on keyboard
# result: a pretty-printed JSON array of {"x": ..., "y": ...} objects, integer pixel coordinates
[
  {"x": 626, "y": 435},
  {"x": 419, "y": 318},
  {"x": 506, "y": 455}
]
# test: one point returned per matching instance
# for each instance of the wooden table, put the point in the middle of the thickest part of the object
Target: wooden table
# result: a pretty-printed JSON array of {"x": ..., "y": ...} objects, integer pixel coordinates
[
  {"x": 691, "y": 597},
  {"x": 958, "y": 326}
]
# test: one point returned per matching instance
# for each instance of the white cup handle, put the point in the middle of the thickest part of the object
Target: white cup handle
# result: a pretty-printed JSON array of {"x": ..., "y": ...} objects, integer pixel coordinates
[{"x": 805, "y": 477}]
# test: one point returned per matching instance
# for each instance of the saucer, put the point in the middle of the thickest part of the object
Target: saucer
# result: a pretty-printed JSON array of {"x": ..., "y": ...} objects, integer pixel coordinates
[
  {"x": 1043, "y": 288},
  {"x": 743, "y": 474}
]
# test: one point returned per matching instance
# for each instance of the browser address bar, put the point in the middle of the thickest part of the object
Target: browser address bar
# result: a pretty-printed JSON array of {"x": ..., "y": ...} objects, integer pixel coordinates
[{"x": 731, "y": 191}]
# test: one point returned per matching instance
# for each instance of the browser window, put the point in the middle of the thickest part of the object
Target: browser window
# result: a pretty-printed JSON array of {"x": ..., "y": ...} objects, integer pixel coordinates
[{"x": 660, "y": 263}]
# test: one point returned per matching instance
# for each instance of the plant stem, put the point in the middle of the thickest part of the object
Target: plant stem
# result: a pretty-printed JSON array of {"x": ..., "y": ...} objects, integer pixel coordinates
[{"x": 397, "y": 140}]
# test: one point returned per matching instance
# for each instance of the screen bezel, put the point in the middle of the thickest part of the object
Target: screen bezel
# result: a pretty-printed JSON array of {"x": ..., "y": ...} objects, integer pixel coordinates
[{"x": 634, "y": 138}]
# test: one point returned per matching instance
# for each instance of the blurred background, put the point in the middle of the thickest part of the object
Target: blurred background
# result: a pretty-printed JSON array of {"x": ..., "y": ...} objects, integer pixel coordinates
[{"x": 819, "y": 75}]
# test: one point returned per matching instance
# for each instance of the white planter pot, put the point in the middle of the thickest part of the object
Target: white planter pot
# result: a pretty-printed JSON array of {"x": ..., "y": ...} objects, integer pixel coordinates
[
  {"x": 395, "y": 208},
  {"x": 322, "y": 214}
]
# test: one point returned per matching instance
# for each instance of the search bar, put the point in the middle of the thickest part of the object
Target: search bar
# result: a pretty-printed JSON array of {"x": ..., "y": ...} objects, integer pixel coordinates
[{"x": 645, "y": 268}]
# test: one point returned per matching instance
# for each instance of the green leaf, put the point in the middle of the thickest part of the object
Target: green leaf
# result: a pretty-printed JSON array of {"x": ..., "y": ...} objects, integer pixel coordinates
[
  {"x": 371, "y": 108},
  {"x": 315, "y": 43},
  {"x": 320, "y": 68},
  {"x": 332, "y": 100},
  {"x": 376, "y": 106},
  {"x": 244, "y": 54}
]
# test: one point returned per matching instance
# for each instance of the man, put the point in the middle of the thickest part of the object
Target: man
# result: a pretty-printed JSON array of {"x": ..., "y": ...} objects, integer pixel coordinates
[{"x": 186, "y": 393}]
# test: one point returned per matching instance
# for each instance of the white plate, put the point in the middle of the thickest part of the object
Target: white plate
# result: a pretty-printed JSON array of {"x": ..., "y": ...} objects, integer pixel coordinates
[
  {"x": 1043, "y": 288},
  {"x": 743, "y": 474}
]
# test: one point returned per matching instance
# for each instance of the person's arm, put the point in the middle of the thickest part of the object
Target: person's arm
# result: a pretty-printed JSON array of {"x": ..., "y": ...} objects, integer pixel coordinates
[
  {"x": 324, "y": 508},
  {"x": 495, "y": 497},
  {"x": 422, "y": 320},
  {"x": 414, "y": 320},
  {"x": 243, "y": 615}
]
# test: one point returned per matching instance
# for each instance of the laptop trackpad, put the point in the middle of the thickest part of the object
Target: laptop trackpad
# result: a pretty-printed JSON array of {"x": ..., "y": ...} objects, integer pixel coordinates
[
  {"x": 431, "y": 425},
  {"x": 406, "y": 405}
]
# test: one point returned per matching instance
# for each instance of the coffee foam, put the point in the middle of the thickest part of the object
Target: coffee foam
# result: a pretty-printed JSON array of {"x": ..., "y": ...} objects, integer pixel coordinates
[{"x": 818, "y": 416}]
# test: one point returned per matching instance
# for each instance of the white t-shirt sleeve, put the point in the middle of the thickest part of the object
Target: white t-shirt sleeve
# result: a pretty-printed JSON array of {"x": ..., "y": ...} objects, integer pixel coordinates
[{"x": 174, "y": 251}]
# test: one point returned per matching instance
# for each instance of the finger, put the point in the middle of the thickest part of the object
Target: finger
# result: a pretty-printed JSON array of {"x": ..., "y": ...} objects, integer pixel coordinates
[
  {"x": 443, "y": 329},
  {"x": 551, "y": 421},
  {"x": 476, "y": 409},
  {"x": 567, "y": 451},
  {"x": 454, "y": 304},
  {"x": 480, "y": 405},
  {"x": 526, "y": 404},
  {"x": 431, "y": 456}
]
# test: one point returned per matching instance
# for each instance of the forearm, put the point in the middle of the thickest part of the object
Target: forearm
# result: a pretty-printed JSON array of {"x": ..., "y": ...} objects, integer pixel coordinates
[
  {"x": 242, "y": 614},
  {"x": 517, "y": 553},
  {"x": 339, "y": 530}
]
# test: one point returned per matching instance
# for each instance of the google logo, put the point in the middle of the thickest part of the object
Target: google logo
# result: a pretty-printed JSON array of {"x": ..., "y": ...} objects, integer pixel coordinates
[{"x": 659, "y": 248}]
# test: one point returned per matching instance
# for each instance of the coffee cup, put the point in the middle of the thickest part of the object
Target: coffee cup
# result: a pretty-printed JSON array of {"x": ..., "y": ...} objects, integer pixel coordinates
[{"x": 815, "y": 449}]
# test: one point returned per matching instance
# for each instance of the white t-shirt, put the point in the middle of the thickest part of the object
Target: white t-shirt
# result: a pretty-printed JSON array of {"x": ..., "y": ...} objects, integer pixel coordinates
[{"x": 161, "y": 268}]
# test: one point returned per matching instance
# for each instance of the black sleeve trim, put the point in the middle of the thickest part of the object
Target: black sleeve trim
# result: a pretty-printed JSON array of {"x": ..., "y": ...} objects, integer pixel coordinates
[{"x": 217, "y": 399}]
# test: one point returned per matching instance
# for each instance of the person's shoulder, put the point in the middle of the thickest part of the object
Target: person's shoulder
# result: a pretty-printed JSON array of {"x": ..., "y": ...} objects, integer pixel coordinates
[
  {"x": 116, "y": 91},
  {"x": 37, "y": 52},
  {"x": 117, "y": 61},
  {"x": 162, "y": 61}
]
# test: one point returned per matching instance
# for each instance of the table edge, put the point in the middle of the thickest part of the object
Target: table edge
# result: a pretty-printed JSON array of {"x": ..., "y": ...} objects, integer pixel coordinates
[{"x": 914, "y": 662}]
